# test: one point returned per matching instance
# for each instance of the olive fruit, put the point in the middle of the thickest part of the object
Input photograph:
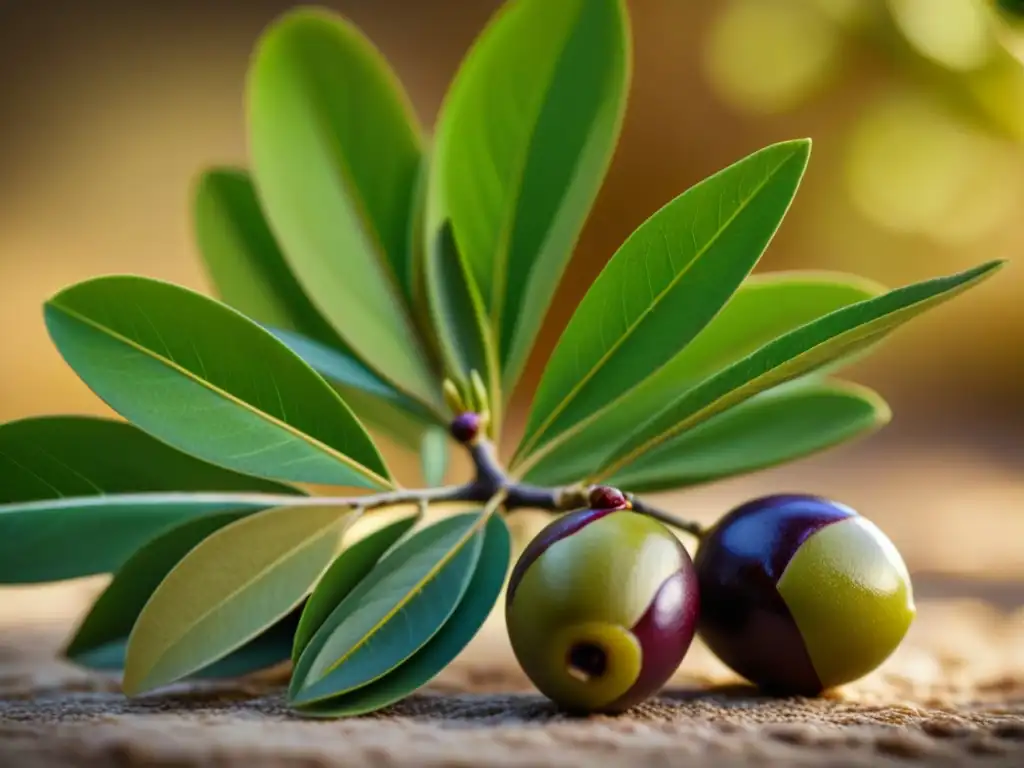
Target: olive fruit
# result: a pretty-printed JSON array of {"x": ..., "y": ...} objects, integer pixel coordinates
[
  {"x": 601, "y": 608},
  {"x": 800, "y": 594}
]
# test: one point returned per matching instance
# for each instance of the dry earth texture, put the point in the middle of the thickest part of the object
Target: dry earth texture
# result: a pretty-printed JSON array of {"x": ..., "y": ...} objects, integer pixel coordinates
[{"x": 953, "y": 694}]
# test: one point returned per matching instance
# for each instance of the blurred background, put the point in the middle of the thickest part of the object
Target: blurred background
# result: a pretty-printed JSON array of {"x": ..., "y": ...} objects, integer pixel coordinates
[{"x": 109, "y": 108}]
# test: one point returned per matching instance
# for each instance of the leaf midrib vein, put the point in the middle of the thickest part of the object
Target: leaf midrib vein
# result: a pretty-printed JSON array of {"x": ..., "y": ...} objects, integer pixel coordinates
[
  {"x": 306, "y": 543},
  {"x": 646, "y": 312},
  {"x": 263, "y": 415},
  {"x": 475, "y": 528}
]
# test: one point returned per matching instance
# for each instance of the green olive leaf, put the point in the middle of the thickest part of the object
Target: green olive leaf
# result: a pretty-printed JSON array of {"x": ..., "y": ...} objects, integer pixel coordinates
[
  {"x": 230, "y": 588},
  {"x": 203, "y": 378},
  {"x": 434, "y": 452},
  {"x": 79, "y": 494},
  {"x": 393, "y": 612},
  {"x": 101, "y": 639},
  {"x": 662, "y": 287},
  {"x": 250, "y": 274},
  {"x": 523, "y": 142},
  {"x": 245, "y": 264},
  {"x": 764, "y": 307},
  {"x": 794, "y": 354},
  {"x": 335, "y": 153},
  {"x": 456, "y": 310},
  {"x": 777, "y": 426},
  {"x": 473, "y": 610},
  {"x": 350, "y": 568}
]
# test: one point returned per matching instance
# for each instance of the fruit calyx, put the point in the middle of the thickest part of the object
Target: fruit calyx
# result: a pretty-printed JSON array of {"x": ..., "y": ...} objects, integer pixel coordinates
[{"x": 606, "y": 497}]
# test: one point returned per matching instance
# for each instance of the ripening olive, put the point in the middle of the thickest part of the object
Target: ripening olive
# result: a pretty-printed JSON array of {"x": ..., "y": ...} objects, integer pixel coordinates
[
  {"x": 602, "y": 606},
  {"x": 800, "y": 594}
]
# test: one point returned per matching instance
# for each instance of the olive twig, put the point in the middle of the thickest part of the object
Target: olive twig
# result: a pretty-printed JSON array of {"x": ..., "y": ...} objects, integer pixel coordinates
[{"x": 489, "y": 479}]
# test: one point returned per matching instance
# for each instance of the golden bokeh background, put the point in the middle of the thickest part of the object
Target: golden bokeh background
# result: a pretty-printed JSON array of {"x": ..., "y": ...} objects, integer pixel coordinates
[{"x": 109, "y": 108}]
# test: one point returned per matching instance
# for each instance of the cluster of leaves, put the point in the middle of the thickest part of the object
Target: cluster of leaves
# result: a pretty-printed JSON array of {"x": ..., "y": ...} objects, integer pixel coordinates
[{"x": 357, "y": 270}]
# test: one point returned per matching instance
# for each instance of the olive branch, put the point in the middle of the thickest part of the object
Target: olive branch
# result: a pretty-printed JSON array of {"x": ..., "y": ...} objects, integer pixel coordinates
[{"x": 367, "y": 276}]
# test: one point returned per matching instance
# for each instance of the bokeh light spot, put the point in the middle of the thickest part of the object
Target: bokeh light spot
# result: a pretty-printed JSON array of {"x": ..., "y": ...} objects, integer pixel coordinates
[
  {"x": 953, "y": 33},
  {"x": 766, "y": 57}
]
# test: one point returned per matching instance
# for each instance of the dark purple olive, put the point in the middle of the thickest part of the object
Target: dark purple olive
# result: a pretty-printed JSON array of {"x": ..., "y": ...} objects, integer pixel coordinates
[
  {"x": 602, "y": 606},
  {"x": 800, "y": 594},
  {"x": 465, "y": 427}
]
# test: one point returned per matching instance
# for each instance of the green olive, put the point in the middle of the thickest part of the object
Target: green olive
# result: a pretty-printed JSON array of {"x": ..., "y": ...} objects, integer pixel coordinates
[{"x": 602, "y": 606}]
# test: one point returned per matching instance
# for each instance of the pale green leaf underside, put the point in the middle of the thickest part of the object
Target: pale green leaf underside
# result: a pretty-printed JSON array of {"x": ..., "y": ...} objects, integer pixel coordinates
[
  {"x": 792, "y": 355},
  {"x": 335, "y": 154},
  {"x": 205, "y": 379},
  {"x": 233, "y": 586},
  {"x": 777, "y": 426},
  {"x": 476, "y": 605},
  {"x": 344, "y": 574},
  {"x": 434, "y": 453},
  {"x": 663, "y": 285},
  {"x": 102, "y": 636},
  {"x": 523, "y": 142},
  {"x": 400, "y": 605},
  {"x": 764, "y": 307}
]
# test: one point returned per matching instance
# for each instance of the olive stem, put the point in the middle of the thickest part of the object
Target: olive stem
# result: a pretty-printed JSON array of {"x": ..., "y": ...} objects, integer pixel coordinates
[{"x": 489, "y": 479}]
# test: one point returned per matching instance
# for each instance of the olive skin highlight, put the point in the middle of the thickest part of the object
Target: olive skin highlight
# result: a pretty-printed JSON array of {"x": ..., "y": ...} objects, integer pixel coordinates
[
  {"x": 801, "y": 594},
  {"x": 602, "y": 606}
]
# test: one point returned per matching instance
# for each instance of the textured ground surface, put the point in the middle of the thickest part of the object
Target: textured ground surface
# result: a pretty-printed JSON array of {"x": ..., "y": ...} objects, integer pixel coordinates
[{"x": 952, "y": 695}]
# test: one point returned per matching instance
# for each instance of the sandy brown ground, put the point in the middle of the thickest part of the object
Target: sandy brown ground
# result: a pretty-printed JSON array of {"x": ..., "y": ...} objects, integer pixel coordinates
[{"x": 953, "y": 694}]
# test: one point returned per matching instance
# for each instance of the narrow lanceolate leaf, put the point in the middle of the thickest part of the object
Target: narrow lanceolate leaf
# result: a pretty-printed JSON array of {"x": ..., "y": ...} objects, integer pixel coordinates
[
  {"x": 205, "y": 379},
  {"x": 456, "y": 311},
  {"x": 663, "y": 285},
  {"x": 234, "y": 585},
  {"x": 393, "y": 612},
  {"x": 434, "y": 451},
  {"x": 765, "y": 306},
  {"x": 250, "y": 273},
  {"x": 79, "y": 494},
  {"x": 794, "y": 354},
  {"x": 335, "y": 152},
  {"x": 523, "y": 143},
  {"x": 244, "y": 262},
  {"x": 474, "y": 608},
  {"x": 777, "y": 426},
  {"x": 350, "y": 568},
  {"x": 102, "y": 637}
]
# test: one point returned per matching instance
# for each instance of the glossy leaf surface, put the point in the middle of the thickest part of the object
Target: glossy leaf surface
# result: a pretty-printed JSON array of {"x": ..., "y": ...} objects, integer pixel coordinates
[
  {"x": 523, "y": 142},
  {"x": 663, "y": 285},
  {"x": 350, "y": 568},
  {"x": 764, "y": 306},
  {"x": 481, "y": 595},
  {"x": 772, "y": 428},
  {"x": 203, "y": 378},
  {"x": 335, "y": 153},
  {"x": 799, "y": 352},
  {"x": 79, "y": 494},
  {"x": 233, "y": 586},
  {"x": 393, "y": 612}
]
